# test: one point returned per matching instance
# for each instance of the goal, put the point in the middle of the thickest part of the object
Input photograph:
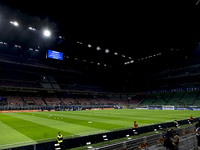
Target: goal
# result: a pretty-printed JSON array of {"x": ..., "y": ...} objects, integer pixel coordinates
[{"x": 168, "y": 108}]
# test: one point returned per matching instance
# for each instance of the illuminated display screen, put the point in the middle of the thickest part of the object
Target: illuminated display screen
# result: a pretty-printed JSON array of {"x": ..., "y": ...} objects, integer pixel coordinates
[{"x": 55, "y": 55}]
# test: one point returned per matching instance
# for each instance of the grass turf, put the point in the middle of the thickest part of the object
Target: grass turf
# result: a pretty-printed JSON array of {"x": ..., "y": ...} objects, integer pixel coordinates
[{"x": 18, "y": 129}]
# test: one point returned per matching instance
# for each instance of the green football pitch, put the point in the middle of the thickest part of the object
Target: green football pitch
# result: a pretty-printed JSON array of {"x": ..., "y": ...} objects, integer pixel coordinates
[{"x": 18, "y": 129}]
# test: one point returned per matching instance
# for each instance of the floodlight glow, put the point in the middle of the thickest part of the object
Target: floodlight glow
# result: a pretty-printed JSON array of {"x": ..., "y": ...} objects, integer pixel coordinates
[
  {"x": 15, "y": 23},
  {"x": 31, "y": 28},
  {"x": 79, "y": 42},
  {"x": 107, "y": 51},
  {"x": 98, "y": 48},
  {"x": 47, "y": 33},
  {"x": 89, "y": 45}
]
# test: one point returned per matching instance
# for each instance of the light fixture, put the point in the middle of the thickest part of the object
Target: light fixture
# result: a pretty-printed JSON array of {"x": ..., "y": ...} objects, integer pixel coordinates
[
  {"x": 107, "y": 51},
  {"x": 98, "y": 48},
  {"x": 47, "y": 33},
  {"x": 31, "y": 28},
  {"x": 15, "y": 23}
]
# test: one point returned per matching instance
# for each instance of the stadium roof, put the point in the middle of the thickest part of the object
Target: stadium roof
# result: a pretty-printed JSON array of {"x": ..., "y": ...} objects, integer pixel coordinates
[
  {"x": 136, "y": 29},
  {"x": 113, "y": 34}
]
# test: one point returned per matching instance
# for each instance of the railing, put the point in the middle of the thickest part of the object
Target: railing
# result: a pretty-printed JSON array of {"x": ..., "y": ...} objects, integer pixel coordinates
[{"x": 187, "y": 141}]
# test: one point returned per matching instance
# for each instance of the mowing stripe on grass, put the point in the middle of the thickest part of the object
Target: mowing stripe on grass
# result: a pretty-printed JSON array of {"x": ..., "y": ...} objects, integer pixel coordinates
[
  {"x": 121, "y": 119},
  {"x": 9, "y": 137},
  {"x": 81, "y": 121},
  {"x": 33, "y": 130},
  {"x": 58, "y": 124},
  {"x": 94, "y": 119}
]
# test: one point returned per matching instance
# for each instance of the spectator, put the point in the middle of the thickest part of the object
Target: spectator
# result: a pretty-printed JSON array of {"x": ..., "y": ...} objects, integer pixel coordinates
[
  {"x": 167, "y": 143},
  {"x": 169, "y": 132},
  {"x": 198, "y": 135},
  {"x": 197, "y": 125},
  {"x": 175, "y": 140}
]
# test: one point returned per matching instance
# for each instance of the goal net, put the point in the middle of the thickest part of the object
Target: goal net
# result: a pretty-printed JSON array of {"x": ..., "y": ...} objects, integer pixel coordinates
[{"x": 167, "y": 107}]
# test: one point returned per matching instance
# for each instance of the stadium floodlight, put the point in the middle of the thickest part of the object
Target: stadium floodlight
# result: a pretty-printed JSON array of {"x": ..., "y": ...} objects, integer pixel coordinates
[
  {"x": 98, "y": 48},
  {"x": 79, "y": 42},
  {"x": 47, "y": 33},
  {"x": 107, "y": 51},
  {"x": 15, "y": 23},
  {"x": 116, "y": 53},
  {"x": 31, "y": 28}
]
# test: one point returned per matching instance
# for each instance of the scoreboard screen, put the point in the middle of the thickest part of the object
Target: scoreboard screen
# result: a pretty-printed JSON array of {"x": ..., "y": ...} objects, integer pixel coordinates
[{"x": 55, "y": 55}]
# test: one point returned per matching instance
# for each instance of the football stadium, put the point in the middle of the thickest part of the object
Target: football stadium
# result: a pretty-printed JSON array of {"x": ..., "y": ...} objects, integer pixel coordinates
[{"x": 99, "y": 76}]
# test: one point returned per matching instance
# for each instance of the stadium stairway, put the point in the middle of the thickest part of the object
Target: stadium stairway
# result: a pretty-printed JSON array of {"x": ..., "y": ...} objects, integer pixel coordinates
[
  {"x": 196, "y": 99},
  {"x": 44, "y": 101}
]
